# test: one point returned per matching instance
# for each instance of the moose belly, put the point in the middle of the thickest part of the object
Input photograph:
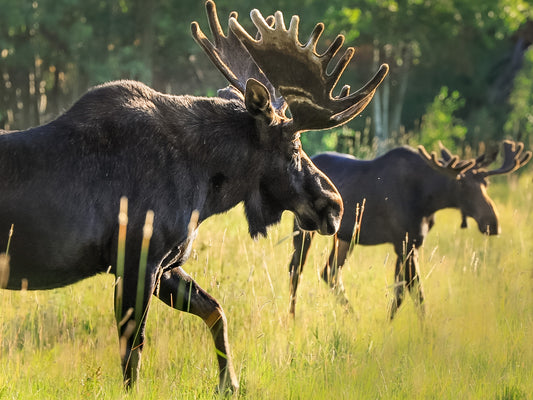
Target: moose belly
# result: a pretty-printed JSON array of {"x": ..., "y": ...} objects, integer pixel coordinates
[{"x": 50, "y": 257}]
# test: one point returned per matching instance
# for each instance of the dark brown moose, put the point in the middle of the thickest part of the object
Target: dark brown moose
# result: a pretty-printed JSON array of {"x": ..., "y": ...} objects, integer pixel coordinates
[
  {"x": 400, "y": 192},
  {"x": 178, "y": 156}
]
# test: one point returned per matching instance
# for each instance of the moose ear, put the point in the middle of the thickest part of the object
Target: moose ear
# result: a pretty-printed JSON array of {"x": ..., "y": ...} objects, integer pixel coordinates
[{"x": 257, "y": 101}]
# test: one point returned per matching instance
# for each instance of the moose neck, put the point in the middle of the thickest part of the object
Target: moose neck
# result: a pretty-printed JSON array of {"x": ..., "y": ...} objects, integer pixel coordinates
[{"x": 220, "y": 150}]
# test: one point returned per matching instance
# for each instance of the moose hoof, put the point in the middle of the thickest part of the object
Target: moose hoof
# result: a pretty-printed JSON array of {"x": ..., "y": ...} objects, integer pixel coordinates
[
  {"x": 227, "y": 390},
  {"x": 348, "y": 309}
]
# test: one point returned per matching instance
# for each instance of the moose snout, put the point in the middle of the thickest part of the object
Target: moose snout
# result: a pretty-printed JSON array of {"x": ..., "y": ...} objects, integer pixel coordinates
[
  {"x": 488, "y": 224},
  {"x": 320, "y": 208},
  {"x": 489, "y": 227},
  {"x": 488, "y": 221},
  {"x": 329, "y": 211},
  {"x": 323, "y": 215},
  {"x": 331, "y": 217}
]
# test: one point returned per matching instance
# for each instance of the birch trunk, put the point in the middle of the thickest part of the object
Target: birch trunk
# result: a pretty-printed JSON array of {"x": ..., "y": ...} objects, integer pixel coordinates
[
  {"x": 403, "y": 80},
  {"x": 378, "y": 103}
]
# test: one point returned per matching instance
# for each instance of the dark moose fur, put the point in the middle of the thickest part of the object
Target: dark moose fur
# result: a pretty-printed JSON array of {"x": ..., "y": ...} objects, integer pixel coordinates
[
  {"x": 61, "y": 183},
  {"x": 401, "y": 192}
]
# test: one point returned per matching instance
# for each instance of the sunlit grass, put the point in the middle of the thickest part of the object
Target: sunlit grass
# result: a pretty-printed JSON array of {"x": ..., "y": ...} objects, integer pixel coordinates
[{"x": 475, "y": 342}]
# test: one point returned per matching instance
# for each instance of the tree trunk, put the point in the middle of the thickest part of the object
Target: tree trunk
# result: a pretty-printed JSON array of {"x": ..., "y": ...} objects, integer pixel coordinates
[
  {"x": 403, "y": 79},
  {"x": 377, "y": 113}
]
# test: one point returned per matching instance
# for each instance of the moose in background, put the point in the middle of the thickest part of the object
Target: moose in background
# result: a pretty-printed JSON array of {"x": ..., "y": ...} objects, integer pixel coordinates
[
  {"x": 401, "y": 191},
  {"x": 178, "y": 156}
]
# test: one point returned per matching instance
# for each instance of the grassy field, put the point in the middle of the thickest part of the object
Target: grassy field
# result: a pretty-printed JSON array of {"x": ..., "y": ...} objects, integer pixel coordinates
[{"x": 475, "y": 342}]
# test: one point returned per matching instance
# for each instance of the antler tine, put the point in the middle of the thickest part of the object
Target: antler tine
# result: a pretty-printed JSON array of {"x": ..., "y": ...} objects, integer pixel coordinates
[
  {"x": 270, "y": 22},
  {"x": 230, "y": 56},
  {"x": 341, "y": 64},
  {"x": 451, "y": 166},
  {"x": 333, "y": 49},
  {"x": 214, "y": 23},
  {"x": 345, "y": 91},
  {"x": 315, "y": 35},
  {"x": 487, "y": 158},
  {"x": 525, "y": 158},
  {"x": 219, "y": 38},
  {"x": 279, "y": 19},
  {"x": 513, "y": 158},
  {"x": 444, "y": 152},
  {"x": 304, "y": 81}
]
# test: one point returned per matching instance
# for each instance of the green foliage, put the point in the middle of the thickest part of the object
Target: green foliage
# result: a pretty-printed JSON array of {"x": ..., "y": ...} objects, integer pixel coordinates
[
  {"x": 520, "y": 121},
  {"x": 316, "y": 142},
  {"x": 439, "y": 122},
  {"x": 467, "y": 50},
  {"x": 51, "y": 51}
]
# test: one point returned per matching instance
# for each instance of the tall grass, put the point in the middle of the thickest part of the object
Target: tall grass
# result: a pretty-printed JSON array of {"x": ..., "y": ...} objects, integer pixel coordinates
[{"x": 475, "y": 341}]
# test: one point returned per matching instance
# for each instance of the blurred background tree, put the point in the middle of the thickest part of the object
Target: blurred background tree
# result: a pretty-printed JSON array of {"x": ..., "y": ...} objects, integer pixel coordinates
[
  {"x": 461, "y": 71},
  {"x": 519, "y": 122}
]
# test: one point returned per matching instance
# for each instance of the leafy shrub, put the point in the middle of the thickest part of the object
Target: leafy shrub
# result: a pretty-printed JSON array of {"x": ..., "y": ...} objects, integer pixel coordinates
[{"x": 439, "y": 122}]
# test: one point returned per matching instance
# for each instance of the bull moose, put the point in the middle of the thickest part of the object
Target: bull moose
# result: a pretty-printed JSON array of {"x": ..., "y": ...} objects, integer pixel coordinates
[
  {"x": 401, "y": 191},
  {"x": 177, "y": 156}
]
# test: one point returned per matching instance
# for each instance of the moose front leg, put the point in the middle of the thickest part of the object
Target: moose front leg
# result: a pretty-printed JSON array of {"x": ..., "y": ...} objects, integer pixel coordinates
[
  {"x": 407, "y": 274},
  {"x": 332, "y": 270},
  {"x": 131, "y": 312},
  {"x": 178, "y": 290}
]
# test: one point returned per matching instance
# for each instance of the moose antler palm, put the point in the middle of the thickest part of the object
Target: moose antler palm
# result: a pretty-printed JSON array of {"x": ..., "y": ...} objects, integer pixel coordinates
[
  {"x": 230, "y": 56},
  {"x": 513, "y": 158},
  {"x": 280, "y": 62}
]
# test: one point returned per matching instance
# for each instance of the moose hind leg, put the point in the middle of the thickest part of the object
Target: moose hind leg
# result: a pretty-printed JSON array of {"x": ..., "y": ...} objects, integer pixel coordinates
[
  {"x": 301, "y": 242},
  {"x": 399, "y": 287},
  {"x": 332, "y": 272},
  {"x": 406, "y": 274},
  {"x": 412, "y": 281},
  {"x": 178, "y": 290}
]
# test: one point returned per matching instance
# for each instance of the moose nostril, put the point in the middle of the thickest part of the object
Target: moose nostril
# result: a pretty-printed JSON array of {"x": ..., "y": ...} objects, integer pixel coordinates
[
  {"x": 331, "y": 221},
  {"x": 329, "y": 226},
  {"x": 491, "y": 229}
]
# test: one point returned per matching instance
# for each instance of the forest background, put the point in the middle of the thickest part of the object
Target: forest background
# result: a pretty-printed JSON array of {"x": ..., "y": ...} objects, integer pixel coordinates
[{"x": 461, "y": 70}]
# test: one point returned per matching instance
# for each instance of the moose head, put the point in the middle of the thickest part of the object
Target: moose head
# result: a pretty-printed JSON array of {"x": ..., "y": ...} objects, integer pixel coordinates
[
  {"x": 472, "y": 179},
  {"x": 271, "y": 75}
]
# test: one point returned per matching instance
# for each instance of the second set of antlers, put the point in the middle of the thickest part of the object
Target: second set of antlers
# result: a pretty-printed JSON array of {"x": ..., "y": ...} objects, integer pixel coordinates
[{"x": 513, "y": 158}]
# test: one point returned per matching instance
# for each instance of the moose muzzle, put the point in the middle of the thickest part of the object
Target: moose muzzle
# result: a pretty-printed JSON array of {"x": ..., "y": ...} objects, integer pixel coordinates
[{"x": 324, "y": 214}]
